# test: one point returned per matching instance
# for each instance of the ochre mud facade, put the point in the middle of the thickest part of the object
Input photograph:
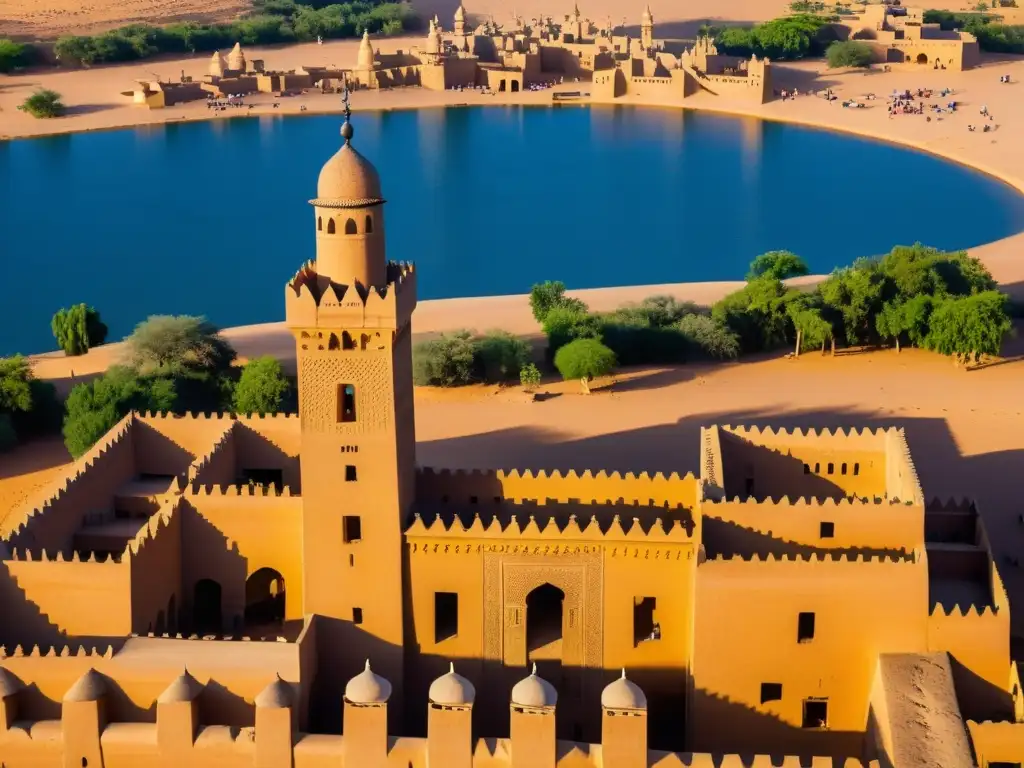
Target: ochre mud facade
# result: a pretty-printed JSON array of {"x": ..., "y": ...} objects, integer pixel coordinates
[{"x": 294, "y": 590}]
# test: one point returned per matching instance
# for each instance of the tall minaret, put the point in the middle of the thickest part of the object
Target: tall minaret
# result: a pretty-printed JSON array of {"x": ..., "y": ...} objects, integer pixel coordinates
[
  {"x": 460, "y": 21},
  {"x": 647, "y": 29},
  {"x": 350, "y": 314}
]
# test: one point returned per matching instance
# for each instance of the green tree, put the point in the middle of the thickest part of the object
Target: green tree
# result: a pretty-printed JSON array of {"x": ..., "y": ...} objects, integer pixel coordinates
[
  {"x": 905, "y": 319},
  {"x": 584, "y": 359},
  {"x": 262, "y": 387},
  {"x": 449, "y": 361},
  {"x": 78, "y": 329},
  {"x": 813, "y": 328},
  {"x": 178, "y": 344},
  {"x": 500, "y": 355},
  {"x": 43, "y": 103},
  {"x": 848, "y": 53},
  {"x": 94, "y": 407},
  {"x": 550, "y": 295},
  {"x": 778, "y": 264},
  {"x": 855, "y": 294},
  {"x": 969, "y": 326}
]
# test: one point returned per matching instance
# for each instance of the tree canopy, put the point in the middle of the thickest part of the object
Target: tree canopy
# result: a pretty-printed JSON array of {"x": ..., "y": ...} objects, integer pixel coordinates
[
  {"x": 78, "y": 329},
  {"x": 848, "y": 53},
  {"x": 262, "y": 387},
  {"x": 176, "y": 344},
  {"x": 584, "y": 359},
  {"x": 780, "y": 265}
]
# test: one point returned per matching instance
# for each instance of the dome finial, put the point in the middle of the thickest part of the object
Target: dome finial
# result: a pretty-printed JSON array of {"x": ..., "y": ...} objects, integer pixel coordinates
[
  {"x": 346, "y": 134},
  {"x": 367, "y": 667},
  {"x": 623, "y": 673},
  {"x": 534, "y": 668},
  {"x": 451, "y": 667}
]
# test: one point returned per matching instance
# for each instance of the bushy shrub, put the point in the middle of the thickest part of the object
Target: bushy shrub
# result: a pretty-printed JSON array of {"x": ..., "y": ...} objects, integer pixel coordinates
[
  {"x": 709, "y": 337},
  {"x": 645, "y": 345},
  {"x": 43, "y": 104},
  {"x": 262, "y": 387},
  {"x": 15, "y": 55},
  {"x": 78, "y": 329},
  {"x": 565, "y": 324},
  {"x": 584, "y": 359},
  {"x": 757, "y": 314},
  {"x": 500, "y": 356},
  {"x": 848, "y": 53},
  {"x": 786, "y": 38},
  {"x": 96, "y": 406},
  {"x": 529, "y": 376},
  {"x": 448, "y": 361},
  {"x": 550, "y": 295},
  {"x": 969, "y": 326}
]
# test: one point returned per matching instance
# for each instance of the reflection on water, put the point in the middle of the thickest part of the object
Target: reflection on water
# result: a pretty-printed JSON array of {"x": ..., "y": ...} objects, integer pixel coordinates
[{"x": 211, "y": 218}]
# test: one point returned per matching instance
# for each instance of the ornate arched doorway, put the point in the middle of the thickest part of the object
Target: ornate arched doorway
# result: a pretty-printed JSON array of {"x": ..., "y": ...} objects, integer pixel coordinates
[{"x": 544, "y": 622}]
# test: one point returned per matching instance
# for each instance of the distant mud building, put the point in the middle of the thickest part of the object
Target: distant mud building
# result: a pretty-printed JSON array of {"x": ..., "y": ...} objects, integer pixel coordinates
[
  {"x": 899, "y": 35},
  {"x": 295, "y": 591}
]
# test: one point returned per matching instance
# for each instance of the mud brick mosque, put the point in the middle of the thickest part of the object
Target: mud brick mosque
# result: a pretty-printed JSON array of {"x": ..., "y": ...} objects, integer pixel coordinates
[{"x": 294, "y": 591}]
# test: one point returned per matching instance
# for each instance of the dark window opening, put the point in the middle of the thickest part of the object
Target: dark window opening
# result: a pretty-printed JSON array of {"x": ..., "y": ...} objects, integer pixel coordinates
[
  {"x": 352, "y": 528},
  {"x": 319, "y": 223},
  {"x": 350, "y": 227},
  {"x": 446, "y": 615},
  {"x": 369, "y": 224},
  {"x": 330, "y": 227},
  {"x": 351, "y": 561},
  {"x": 815, "y": 713},
  {"x": 543, "y": 616},
  {"x": 274, "y": 477},
  {"x": 347, "y": 342},
  {"x": 350, "y": 473},
  {"x": 807, "y": 469},
  {"x": 842, "y": 469},
  {"x": 828, "y": 530},
  {"x": 856, "y": 469},
  {"x": 346, "y": 403},
  {"x": 357, "y": 615},
  {"x": 771, "y": 692},
  {"x": 85, "y": 763},
  {"x": 831, "y": 468},
  {"x": 645, "y": 625},
  {"x": 805, "y": 628},
  {"x": 817, "y": 468}
]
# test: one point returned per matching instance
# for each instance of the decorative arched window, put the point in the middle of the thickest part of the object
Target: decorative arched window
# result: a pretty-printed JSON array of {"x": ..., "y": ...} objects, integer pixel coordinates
[
  {"x": 319, "y": 223},
  {"x": 330, "y": 226},
  {"x": 369, "y": 224},
  {"x": 350, "y": 227}
]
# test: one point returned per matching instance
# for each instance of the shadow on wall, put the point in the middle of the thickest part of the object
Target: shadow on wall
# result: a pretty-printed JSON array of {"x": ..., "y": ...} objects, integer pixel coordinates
[{"x": 990, "y": 478}]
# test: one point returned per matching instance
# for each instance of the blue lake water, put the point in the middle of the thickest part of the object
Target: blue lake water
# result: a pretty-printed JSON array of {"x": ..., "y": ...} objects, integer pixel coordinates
[{"x": 212, "y": 218}]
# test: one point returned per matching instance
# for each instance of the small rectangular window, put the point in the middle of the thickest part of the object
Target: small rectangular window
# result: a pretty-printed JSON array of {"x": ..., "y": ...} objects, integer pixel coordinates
[
  {"x": 805, "y": 628},
  {"x": 856, "y": 469},
  {"x": 446, "y": 615},
  {"x": 807, "y": 469},
  {"x": 645, "y": 624},
  {"x": 352, "y": 528},
  {"x": 350, "y": 474},
  {"x": 828, "y": 530},
  {"x": 771, "y": 692},
  {"x": 357, "y": 615},
  {"x": 842, "y": 469},
  {"x": 831, "y": 468},
  {"x": 817, "y": 468},
  {"x": 346, "y": 403},
  {"x": 815, "y": 713}
]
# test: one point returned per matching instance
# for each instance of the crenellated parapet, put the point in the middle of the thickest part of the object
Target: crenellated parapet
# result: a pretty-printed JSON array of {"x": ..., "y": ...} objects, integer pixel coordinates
[
  {"x": 486, "y": 486},
  {"x": 218, "y": 464},
  {"x": 828, "y": 559},
  {"x": 525, "y": 535},
  {"x": 237, "y": 490},
  {"x": 218, "y": 416},
  {"x": 90, "y": 481},
  {"x": 312, "y": 301}
]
